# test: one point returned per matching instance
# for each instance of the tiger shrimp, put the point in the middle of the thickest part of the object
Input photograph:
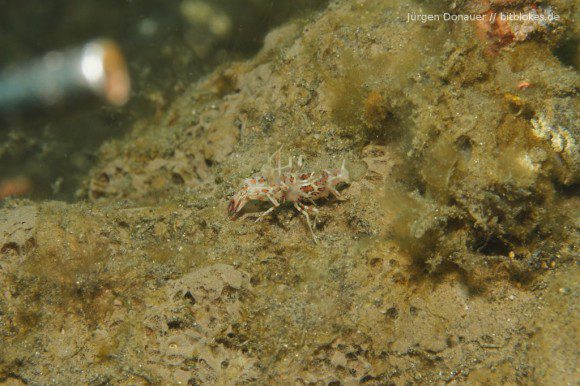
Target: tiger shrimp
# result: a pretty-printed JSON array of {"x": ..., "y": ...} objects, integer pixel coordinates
[{"x": 280, "y": 184}]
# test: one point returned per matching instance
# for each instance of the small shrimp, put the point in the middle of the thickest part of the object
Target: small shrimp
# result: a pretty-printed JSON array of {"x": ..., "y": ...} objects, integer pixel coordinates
[{"x": 280, "y": 184}]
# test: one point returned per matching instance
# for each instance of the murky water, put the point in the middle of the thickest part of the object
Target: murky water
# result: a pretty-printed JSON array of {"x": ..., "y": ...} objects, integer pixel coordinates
[{"x": 168, "y": 46}]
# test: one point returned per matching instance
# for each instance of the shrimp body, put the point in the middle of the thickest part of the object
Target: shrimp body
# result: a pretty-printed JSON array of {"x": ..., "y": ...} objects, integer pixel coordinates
[{"x": 281, "y": 184}]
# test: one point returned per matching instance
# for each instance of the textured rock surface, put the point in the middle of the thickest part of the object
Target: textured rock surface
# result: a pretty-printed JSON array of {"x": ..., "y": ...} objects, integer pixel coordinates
[{"x": 451, "y": 261}]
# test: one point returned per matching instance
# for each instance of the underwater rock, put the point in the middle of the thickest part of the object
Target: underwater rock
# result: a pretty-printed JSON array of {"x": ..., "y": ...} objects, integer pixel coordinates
[
  {"x": 17, "y": 228},
  {"x": 558, "y": 127},
  {"x": 443, "y": 264},
  {"x": 194, "y": 323}
]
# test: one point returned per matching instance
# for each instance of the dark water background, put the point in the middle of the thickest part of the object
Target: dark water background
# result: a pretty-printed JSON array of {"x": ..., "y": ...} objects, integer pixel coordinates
[{"x": 166, "y": 46}]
